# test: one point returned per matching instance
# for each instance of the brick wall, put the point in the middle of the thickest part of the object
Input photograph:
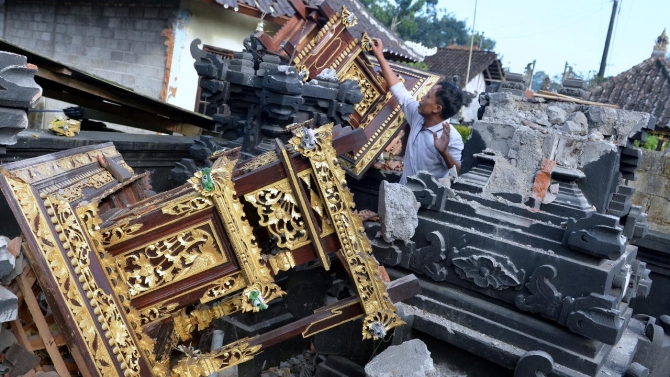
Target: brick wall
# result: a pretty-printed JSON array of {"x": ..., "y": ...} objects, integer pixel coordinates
[
  {"x": 652, "y": 189},
  {"x": 123, "y": 44}
]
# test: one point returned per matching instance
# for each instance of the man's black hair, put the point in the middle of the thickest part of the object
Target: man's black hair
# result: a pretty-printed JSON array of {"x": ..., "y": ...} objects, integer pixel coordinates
[{"x": 450, "y": 98}]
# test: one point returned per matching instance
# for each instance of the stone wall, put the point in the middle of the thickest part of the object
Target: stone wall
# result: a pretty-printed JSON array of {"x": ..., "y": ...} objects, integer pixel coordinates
[
  {"x": 653, "y": 189},
  {"x": 123, "y": 44}
]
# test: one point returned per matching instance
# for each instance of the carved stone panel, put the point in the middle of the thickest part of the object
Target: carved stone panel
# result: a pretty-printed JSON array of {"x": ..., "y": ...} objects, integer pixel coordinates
[{"x": 486, "y": 269}]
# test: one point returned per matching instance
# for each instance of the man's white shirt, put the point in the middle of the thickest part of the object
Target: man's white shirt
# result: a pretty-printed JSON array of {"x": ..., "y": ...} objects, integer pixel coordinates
[{"x": 420, "y": 151}]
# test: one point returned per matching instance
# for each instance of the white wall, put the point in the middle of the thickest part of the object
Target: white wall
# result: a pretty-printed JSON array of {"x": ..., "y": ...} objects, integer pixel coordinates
[
  {"x": 477, "y": 85},
  {"x": 213, "y": 25}
]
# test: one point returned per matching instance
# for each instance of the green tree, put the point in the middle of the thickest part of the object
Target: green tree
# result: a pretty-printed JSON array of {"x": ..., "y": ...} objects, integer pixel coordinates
[{"x": 420, "y": 21}]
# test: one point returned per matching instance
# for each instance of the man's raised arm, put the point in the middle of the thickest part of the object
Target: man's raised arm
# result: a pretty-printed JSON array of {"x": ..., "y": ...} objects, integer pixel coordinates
[{"x": 387, "y": 73}]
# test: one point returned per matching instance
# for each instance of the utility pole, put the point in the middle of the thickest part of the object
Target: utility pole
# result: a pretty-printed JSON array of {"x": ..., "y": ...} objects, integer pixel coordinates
[
  {"x": 603, "y": 62},
  {"x": 472, "y": 40}
]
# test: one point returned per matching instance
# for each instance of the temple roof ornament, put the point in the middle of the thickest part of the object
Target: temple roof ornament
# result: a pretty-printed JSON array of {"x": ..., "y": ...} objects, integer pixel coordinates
[{"x": 661, "y": 46}]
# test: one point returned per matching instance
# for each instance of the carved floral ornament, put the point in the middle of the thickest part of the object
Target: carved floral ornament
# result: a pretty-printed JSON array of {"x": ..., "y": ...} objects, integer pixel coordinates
[
  {"x": 380, "y": 314},
  {"x": 216, "y": 184},
  {"x": 488, "y": 270},
  {"x": 348, "y": 18}
]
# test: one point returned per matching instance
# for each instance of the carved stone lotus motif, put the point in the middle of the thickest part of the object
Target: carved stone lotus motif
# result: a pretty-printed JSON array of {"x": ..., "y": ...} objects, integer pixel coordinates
[{"x": 485, "y": 272}]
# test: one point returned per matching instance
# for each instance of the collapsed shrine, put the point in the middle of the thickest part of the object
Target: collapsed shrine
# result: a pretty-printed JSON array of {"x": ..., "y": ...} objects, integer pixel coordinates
[{"x": 525, "y": 260}]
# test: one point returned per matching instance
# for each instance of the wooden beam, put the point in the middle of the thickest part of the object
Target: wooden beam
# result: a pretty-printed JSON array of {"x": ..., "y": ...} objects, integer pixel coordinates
[
  {"x": 72, "y": 85},
  {"x": 42, "y": 326},
  {"x": 337, "y": 313}
]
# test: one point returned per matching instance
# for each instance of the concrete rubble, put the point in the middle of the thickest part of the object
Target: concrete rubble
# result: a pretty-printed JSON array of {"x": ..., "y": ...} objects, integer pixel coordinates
[
  {"x": 19, "y": 93},
  {"x": 409, "y": 359},
  {"x": 540, "y": 224},
  {"x": 397, "y": 211}
]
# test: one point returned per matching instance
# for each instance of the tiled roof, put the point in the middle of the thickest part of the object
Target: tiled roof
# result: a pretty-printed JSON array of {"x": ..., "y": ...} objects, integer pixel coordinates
[
  {"x": 393, "y": 44},
  {"x": 454, "y": 61},
  {"x": 276, "y": 8},
  {"x": 645, "y": 87}
]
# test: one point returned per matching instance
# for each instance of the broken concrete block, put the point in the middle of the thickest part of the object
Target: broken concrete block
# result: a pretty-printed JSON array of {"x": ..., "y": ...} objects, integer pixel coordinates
[
  {"x": 17, "y": 78},
  {"x": 579, "y": 118},
  {"x": 556, "y": 115},
  {"x": 495, "y": 136},
  {"x": 7, "y": 338},
  {"x": 12, "y": 121},
  {"x": 18, "y": 269},
  {"x": 397, "y": 212},
  {"x": 410, "y": 359},
  {"x": 602, "y": 118},
  {"x": 20, "y": 359},
  {"x": 9, "y": 305},
  {"x": 7, "y": 260},
  {"x": 573, "y": 128}
]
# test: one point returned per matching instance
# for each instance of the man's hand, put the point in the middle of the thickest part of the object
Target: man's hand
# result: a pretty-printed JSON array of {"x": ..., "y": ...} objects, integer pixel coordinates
[
  {"x": 377, "y": 48},
  {"x": 442, "y": 142}
]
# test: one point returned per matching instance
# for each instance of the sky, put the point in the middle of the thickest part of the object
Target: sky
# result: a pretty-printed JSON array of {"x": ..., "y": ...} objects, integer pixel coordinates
[{"x": 553, "y": 32}]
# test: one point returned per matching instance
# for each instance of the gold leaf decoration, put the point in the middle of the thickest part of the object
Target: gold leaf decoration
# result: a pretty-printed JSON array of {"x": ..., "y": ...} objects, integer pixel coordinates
[
  {"x": 280, "y": 214},
  {"x": 348, "y": 226},
  {"x": 223, "y": 287},
  {"x": 119, "y": 233},
  {"x": 170, "y": 259}
]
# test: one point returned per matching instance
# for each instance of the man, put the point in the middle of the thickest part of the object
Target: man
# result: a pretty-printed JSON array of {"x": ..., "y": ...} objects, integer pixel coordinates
[{"x": 433, "y": 145}]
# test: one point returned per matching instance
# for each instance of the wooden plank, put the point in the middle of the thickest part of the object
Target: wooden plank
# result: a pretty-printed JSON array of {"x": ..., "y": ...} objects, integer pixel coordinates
[
  {"x": 42, "y": 326},
  {"x": 337, "y": 313},
  {"x": 37, "y": 343},
  {"x": 564, "y": 98},
  {"x": 121, "y": 96}
]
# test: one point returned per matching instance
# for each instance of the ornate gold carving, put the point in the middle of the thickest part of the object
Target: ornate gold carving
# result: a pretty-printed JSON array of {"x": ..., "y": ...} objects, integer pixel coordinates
[
  {"x": 119, "y": 233},
  {"x": 281, "y": 262},
  {"x": 88, "y": 215},
  {"x": 188, "y": 206},
  {"x": 237, "y": 227},
  {"x": 280, "y": 214},
  {"x": 388, "y": 128},
  {"x": 347, "y": 52},
  {"x": 370, "y": 93},
  {"x": 317, "y": 204},
  {"x": 59, "y": 271},
  {"x": 380, "y": 312},
  {"x": 202, "y": 316},
  {"x": 348, "y": 19},
  {"x": 206, "y": 364},
  {"x": 48, "y": 169},
  {"x": 258, "y": 162},
  {"x": 258, "y": 295},
  {"x": 224, "y": 286},
  {"x": 325, "y": 30},
  {"x": 71, "y": 189},
  {"x": 366, "y": 42},
  {"x": 295, "y": 182},
  {"x": 303, "y": 72},
  {"x": 173, "y": 258},
  {"x": 156, "y": 312}
]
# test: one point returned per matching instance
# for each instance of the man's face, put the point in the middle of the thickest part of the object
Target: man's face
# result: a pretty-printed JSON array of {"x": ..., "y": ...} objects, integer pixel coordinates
[{"x": 428, "y": 104}]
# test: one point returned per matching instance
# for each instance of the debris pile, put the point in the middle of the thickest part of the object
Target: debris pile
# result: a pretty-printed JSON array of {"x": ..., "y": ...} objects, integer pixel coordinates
[
  {"x": 19, "y": 93},
  {"x": 532, "y": 242}
]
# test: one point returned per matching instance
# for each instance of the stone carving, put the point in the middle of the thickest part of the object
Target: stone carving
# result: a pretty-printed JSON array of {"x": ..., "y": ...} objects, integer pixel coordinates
[
  {"x": 429, "y": 260},
  {"x": 596, "y": 234},
  {"x": 534, "y": 364},
  {"x": 544, "y": 297},
  {"x": 594, "y": 316},
  {"x": 487, "y": 270},
  {"x": 430, "y": 193}
]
